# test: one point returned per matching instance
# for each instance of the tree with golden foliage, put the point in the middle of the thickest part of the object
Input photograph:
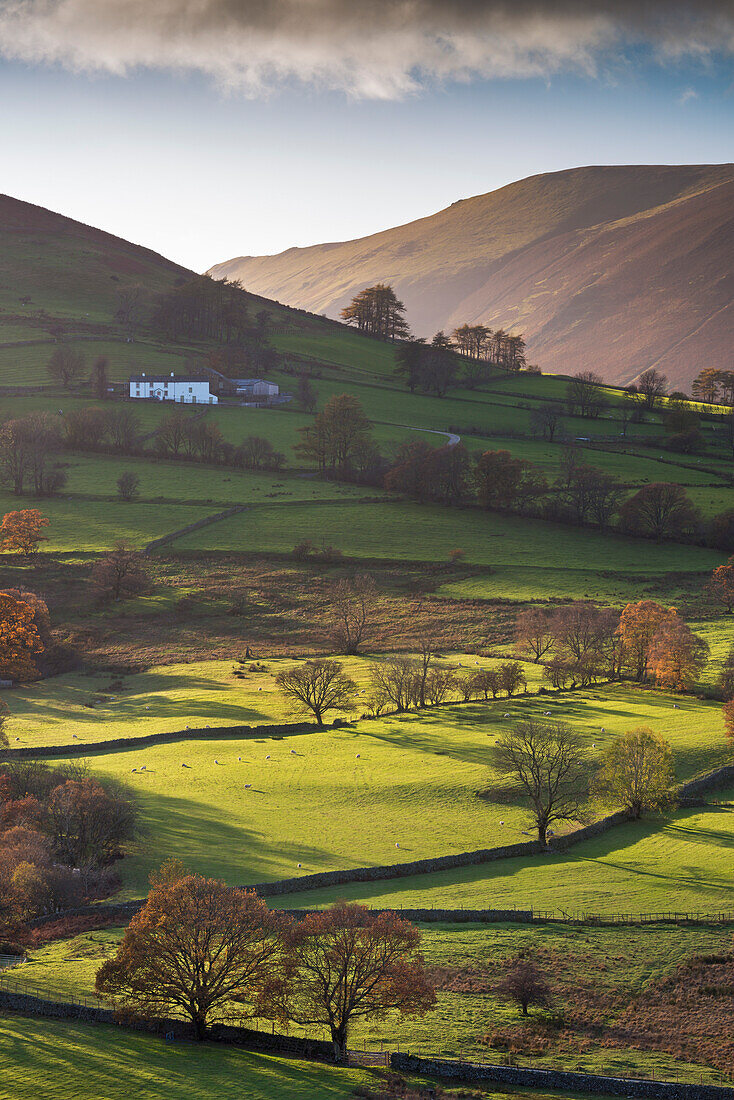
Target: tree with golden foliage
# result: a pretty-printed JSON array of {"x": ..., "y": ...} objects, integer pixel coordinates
[
  {"x": 21, "y": 532},
  {"x": 638, "y": 625},
  {"x": 721, "y": 584},
  {"x": 197, "y": 947},
  {"x": 347, "y": 963},
  {"x": 19, "y": 639},
  {"x": 729, "y": 718},
  {"x": 676, "y": 655},
  {"x": 637, "y": 772}
]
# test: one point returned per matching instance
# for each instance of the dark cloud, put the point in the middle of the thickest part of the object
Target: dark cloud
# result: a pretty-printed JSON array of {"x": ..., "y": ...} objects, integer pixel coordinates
[{"x": 367, "y": 48}]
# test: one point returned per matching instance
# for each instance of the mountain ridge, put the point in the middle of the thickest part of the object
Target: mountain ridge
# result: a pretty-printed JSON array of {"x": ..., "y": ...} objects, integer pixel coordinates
[{"x": 605, "y": 267}]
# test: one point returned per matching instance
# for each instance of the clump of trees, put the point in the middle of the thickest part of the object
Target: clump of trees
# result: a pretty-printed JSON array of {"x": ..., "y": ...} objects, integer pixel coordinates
[
  {"x": 714, "y": 386},
  {"x": 204, "y": 308},
  {"x": 339, "y": 441},
  {"x": 377, "y": 311},
  {"x": 661, "y": 510},
  {"x": 580, "y": 643},
  {"x": 60, "y": 832},
  {"x": 211, "y": 952}
]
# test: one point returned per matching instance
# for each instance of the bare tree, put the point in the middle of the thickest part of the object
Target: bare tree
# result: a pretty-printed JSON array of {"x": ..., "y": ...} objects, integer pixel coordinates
[
  {"x": 525, "y": 984},
  {"x": 395, "y": 682},
  {"x": 546, "y": 763},
  {"x": 546, "y": 418},
  {"x": 120, "y": 574},
  {"x": 316, "y": 687},
  {"x": 534, "y": 631},
  {"x": 66, "y": 365},
  {"x": 652, "y": 385},
  {"x": 128, "y": 485},
  {"x": 352, "y": 605}
]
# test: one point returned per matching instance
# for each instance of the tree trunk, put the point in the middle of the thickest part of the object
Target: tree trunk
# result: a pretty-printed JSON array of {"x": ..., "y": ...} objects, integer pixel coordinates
[
  {"x": 339, "y": 1039},
  {"x": 542, "y": 834},
  {"x": 199, "y": 1027}
]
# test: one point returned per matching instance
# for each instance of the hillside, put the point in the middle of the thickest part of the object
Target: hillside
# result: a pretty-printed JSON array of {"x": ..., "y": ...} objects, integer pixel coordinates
[
  {"x": 61, "y": 277},
  {"x": 615, "y": 268}
]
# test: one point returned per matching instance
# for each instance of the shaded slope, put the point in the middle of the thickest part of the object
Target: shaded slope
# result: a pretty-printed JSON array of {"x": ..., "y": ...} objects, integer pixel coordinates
[{"x": 616, "y": 268}]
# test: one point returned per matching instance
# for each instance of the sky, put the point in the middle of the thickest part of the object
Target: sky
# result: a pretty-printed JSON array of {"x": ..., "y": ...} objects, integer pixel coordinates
[{"x": 207, "y": 129}]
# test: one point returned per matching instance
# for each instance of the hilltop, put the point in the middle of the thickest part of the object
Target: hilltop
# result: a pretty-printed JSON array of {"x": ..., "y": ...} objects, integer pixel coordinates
[{"x": 615, "y": 268}]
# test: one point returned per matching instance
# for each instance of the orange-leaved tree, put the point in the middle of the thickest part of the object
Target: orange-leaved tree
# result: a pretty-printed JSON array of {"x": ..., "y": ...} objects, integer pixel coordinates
[
  {"x": 347, "y": 963},
  {"x": 22, "y": 532},
  {"x": 638, "y": 625},
  {"x": 722, "y": 584},
  {"x": 729, "y": 718},
  {"x": 19, "y": 639},
  {"x": 676, "y": 655},
  {"x": 198, "y": 948}
]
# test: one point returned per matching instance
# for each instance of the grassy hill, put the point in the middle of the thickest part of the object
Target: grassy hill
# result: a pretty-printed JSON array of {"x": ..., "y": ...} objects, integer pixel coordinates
[{"x": 615, "y": 268}]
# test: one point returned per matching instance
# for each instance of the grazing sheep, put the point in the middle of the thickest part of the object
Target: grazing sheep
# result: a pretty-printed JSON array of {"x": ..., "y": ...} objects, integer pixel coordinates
[
  {"x": 267, "y": 757},
  {"x": 135, "y": 769},
  {"x": 507, "y": 715},
  {"x": 397, "y": 845},
  {"x": 603, "y": 730},
  {"x": 298, "y": 864},
  {"x": 17, "y": 739},
  {"x": 293, "y": 752},
  {"x": 546, "y": 713},
  {"x": 247, "y": 786},
  {"x": 594, "y": 745},
  {"x": 239, "y": 757},
  {"x": 73, "y": 735},
  {"x": 501, "y": 822},
  {"x": 216, "y": 761},
  {"x": 358, "y": 755},
  {"x": 675, "y": 706}
]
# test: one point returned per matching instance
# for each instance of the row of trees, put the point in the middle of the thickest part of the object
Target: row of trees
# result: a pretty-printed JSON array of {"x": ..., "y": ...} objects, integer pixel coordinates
[
  {"x": 714, "y": 386},
  {"x": 580, "y": 643},
  {"x": 213, "y": 952}
]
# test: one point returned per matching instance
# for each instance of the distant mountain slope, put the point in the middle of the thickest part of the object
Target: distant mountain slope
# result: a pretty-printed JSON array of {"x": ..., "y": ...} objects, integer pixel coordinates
[{"x": 613, "y": 268}]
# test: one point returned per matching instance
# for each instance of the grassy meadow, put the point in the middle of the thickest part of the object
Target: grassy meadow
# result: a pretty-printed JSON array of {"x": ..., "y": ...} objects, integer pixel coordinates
[{"x": 402, "y": 788}]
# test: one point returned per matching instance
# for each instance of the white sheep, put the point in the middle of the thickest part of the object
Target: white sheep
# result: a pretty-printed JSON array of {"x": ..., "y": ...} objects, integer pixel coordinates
[
  {"x": 73, "y": 735},
  {"x": 143, "y": 768},
  {"x": 507, "y": 715},
  {"x": 239, "y": 757},
  {"x": 293, "y": 752},
  {"x": 247, "y": 786},
  {"x": 501, "y": 822},
  {"x": 267, "y": 757},
  {"x": 135, "y": 769},
  {"x": 299, "y": 864},
  {"x": 397, "y": 845},
  {"x": 358, "y": 755}
]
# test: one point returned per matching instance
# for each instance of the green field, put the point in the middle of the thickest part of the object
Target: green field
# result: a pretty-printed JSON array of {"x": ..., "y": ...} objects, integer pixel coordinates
[
  {"x": 395, "y": 789},
  {"x": 64, "y": 1060},
  {"x": 414, "y": 532}
]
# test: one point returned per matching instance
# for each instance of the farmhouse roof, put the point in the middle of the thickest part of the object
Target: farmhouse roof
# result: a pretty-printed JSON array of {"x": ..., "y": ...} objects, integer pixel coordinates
[{"x": 165, "y": 378}]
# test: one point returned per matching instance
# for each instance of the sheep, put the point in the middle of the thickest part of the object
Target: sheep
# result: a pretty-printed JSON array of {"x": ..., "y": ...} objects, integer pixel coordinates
[
  {"x": 135, "y": 769},
  {"x": 397, "y": 845},
  {"x": 507, "y": 715},
  {"x": 501, "y": 822},
  {"x": 142, "y": 768},
  {"x": 594, "y": 745},
  {"x": 293, "y": 752},
  {"x": 247, "y": 786},
  {"x": 298, "y": 865},
  {"x": 216, "y": 761},
  {"x": 267, "y": 757},
  {"x": 73, "y": 735},
  {"x": 17, "y": 739},
  {"x": 239, "y": 757},
  {"x": 185, "y": 765},
  {"x": 546, "y": 713},
  {"x": 603, "y": 730},
  {"x": 358, "y": 755}
]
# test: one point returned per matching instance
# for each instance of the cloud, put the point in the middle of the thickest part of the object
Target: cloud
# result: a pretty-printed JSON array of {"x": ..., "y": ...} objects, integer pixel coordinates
[
  {"x": 687, "y": 96},
  {"x": 381, "y": 49}
]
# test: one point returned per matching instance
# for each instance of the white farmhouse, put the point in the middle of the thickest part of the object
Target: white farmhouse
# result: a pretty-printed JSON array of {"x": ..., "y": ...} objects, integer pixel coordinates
[{"x": 159, "y": 387}]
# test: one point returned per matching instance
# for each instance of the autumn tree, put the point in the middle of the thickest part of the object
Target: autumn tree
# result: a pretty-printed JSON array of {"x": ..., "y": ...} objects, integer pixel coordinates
[
  {"x": 348, "y": 963},
  {"x": 197, "y": 947},
  {"x": 20, "y": 641},
  {"x": 22, "y": 532},
  {"x": 728, "y": 711},
  {"x": 721, "y": 584},
  {"x": 524, "y": 984},
  {"x": 437, "y": 474},
  {"x": 660, "y": 510},
  {"x": 511, "y": 677},
  {"x": 352, "y": 605},
  {"x": 676, "y": 655},
  {"x": 316, "y": 687},
  {"x": 120, "y": 574},
  {"x": 545, "y": 764},
  {"x": 66, "y": 365},
  {"x": 726, "y": 676},
  {"x": 638, "y": 625},
  {"x": 637, "y": 772},
  {"x": 652, "y": 385},
  {"x": 377, "y": 311}
]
